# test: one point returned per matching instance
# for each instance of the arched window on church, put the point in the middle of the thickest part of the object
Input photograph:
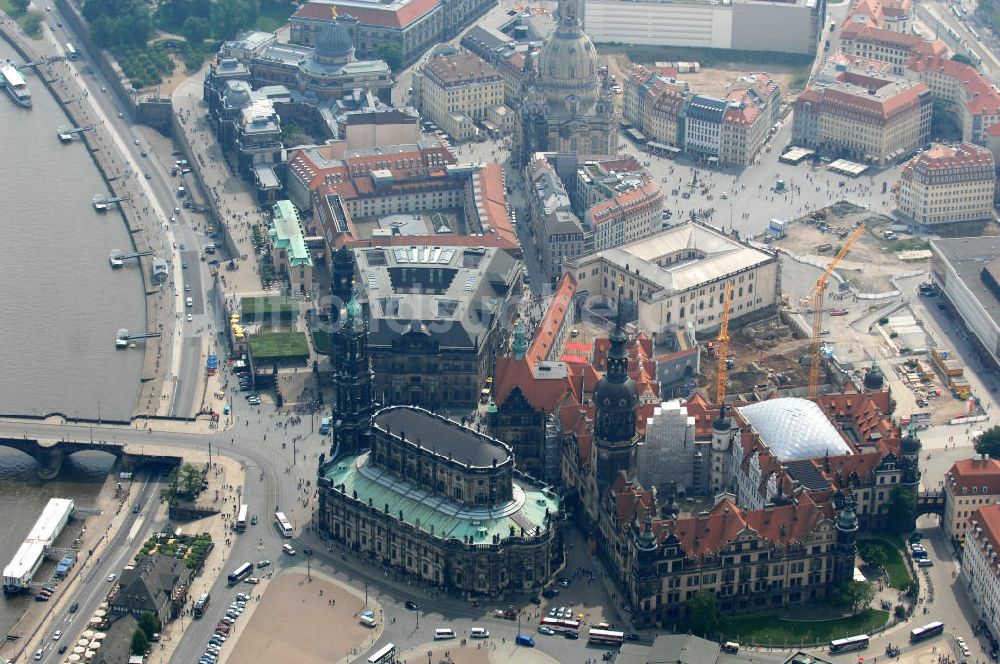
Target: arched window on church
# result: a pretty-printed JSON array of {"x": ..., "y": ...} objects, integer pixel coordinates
[
  {"x": 595, "y": 145},
  {"x": 572, "y": 72},
  {"x": 572, "y": 144}
]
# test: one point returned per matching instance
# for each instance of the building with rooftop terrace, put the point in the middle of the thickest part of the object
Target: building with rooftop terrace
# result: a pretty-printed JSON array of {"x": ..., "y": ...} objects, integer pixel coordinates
[
  {"x": 442, "y": 502},
  {"x": 290, "y": 256},
  {"x": 678, "y": 276},
  {"x": 438, "y": 316},
  {"x": 968, "y": 272}
]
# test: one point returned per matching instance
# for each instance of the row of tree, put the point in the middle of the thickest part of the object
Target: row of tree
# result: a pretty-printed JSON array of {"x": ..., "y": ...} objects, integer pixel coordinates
[{"x": 197, "y": 20}]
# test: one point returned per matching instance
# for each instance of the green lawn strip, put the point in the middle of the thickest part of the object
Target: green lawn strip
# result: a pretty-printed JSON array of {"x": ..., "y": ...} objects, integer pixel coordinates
[
  {"x": 896, "y": 568},
  {"x": 278, "y": 345},
  {"x": 321, "y": 341},
  {"x": 263, "y": 308},
  {"x": 768, "y": 628}
]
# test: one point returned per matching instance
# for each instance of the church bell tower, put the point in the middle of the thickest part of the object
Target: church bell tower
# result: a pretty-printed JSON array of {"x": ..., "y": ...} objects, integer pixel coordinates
[{"x": 353, "y": 381}]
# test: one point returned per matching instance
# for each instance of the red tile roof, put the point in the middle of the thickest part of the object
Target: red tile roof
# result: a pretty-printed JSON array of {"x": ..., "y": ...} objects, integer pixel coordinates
[
  {"x": 648, "y": 195},
  {"x": 987, "y": 517},
  {"x": 981, "y": 96},
  {"x": 860, "y": 102},
  {"x": 555, "y": 315},
  {"x": 544, "y": 394},
  {"x": 374, "y": 15},
  {"x": 979, "y": 473},
  {"x": 784, "y": 525}
]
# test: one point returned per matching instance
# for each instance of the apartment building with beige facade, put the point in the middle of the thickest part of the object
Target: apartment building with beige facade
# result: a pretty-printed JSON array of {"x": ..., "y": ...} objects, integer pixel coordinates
[
  {"x": 981, "y": 564},
  {"x": 863, "y": 39},
  {"x": 678, "y": 276},
  {"x": 972, "y": 101},
  {"x": 455, "y": 90},
  {"x": 653, "y": 103},
  {"x": 871, "y": 117},
  {"x": 969, "y": 485},
  {"x": 752, "y": 107},
  {"x": 948, "y": 184}
]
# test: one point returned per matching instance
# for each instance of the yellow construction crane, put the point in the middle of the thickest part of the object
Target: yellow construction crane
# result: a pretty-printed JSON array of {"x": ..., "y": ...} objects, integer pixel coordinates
[
  {"x": 722, "y": 349},
  {"x": 818, "y": 297}
]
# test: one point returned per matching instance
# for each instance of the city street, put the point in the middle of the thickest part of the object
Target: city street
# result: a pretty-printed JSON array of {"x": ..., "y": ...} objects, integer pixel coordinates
[{"x": 133, "y": 529}]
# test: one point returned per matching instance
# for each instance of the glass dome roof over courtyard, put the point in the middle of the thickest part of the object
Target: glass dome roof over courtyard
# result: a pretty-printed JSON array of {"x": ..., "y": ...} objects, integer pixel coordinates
[{"x": 795, "y": 428}]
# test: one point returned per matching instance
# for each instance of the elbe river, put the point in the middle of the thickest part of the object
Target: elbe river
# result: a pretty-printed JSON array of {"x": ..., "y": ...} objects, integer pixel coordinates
[{"x": 60, "y": 306}]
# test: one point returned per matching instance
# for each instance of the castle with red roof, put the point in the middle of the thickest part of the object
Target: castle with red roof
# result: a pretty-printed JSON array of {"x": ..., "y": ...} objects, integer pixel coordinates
[{"x": 789, "y": 481}]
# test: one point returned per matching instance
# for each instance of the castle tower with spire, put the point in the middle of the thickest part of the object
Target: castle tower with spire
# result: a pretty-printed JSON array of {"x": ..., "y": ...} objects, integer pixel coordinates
[
  {"x": 616, "y": 400},
  {"x": 909, "y": 458},
  {"x": 846, "y": 544},
  {"x": 354, "y": 395}
]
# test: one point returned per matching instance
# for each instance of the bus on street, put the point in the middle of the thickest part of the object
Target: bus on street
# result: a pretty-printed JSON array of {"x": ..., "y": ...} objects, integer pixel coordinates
[
  {"x": 201, "y": 605},
  {"x": 560, "y": 625},
  {"x": 283, "y": 524},
  {"x": 71, "y": 51},
  {"x": 926, "y": 632},
  {"x": 384, "y": 655},
  {"x": 608, "y": 637},
  {"x": 241, "y": 519},
  {"x": 859, "y": 642},
  {"x": 240, "y": 573}
]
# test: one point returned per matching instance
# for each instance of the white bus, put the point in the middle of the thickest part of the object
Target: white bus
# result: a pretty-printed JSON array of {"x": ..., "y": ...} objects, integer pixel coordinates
[
  {"x": 443, "y": 633},
  {"x": 71, "y": 52},
  {"x": 241, "y": 519},
  {"x": 283, "y": 524},
  {"x": 859, "y": 642},
  {"x": 606, "y": 637},
  {"x": 384, "y": 655},
  {"x": 927, "y": 631},
  {"x": 240, "y": 573}
]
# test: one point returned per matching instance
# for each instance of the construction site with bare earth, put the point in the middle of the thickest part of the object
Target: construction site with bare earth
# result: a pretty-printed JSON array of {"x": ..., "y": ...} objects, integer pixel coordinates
[{"x": 844, "y": 307}]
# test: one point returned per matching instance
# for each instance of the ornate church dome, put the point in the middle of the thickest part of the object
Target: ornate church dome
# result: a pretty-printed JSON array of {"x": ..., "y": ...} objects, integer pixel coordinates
[
  {"x": 568, "y": 62},
  {"x": 334, "y": 44}
]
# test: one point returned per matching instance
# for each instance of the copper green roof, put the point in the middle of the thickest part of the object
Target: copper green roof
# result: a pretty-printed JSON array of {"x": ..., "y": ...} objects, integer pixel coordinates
[
  {"x": 286, "y": 233},
  {"x": 447, "y": 518}
]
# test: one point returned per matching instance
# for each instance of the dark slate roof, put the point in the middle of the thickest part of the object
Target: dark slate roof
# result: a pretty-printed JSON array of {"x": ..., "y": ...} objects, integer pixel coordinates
[
  {"x": 443, "y": 436},
  {"x": 705, "y": 108},
  {"x": 806, "y": 473},
  {"x": 117, "y": 647}
]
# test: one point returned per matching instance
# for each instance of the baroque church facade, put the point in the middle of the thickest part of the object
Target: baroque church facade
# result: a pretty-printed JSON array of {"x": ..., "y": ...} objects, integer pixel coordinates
[{"x": 568, "y": 106}]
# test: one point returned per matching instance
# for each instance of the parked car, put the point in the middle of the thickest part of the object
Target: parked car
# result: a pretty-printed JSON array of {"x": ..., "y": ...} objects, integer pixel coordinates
[{"x": 548, "y": 631}]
